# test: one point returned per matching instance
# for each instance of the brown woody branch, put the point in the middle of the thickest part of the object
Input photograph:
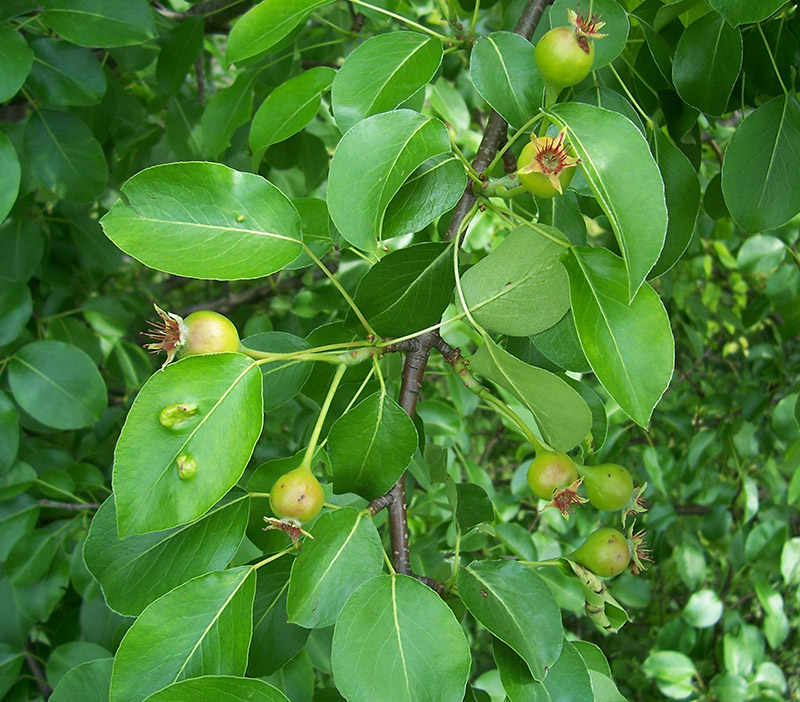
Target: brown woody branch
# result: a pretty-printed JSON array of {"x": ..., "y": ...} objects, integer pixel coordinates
[{"x": 497, "y": 128}]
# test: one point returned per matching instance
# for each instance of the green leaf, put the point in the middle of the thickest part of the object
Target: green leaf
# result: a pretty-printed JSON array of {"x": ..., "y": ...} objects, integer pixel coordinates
[
  {"x": 560, "y": 345},
  {"x": 382, "y": 73},
  {"x": 611, "y": 100},
  {"x": 65, "y": 74},
  {"x": 202, "y": 627},
  {"x": 707, "y": 62},
  {"x": 346, "y": 552},
  {"x": 282, "y": 379},
  {"x": 21, "y": 249},
  {"x": 560, "y": 413},
  {"x": 9, "y": 432},
  {"x": 433, "y": 189},
  {"x": 88, "y": 682},
  {"x": 70, "y": 655},
  {"x": 371, "y": 163},
  {"x": 275, "y": 641},
  {"x": 473, "y": 506},
  {"x": 16, "y": 307},
  {"x": 180, "y": 48},
  {"x": 9, "y": 176},
  {"x": 57, "y": 384},
  {"x": 630, "y": 347},
  {"x": 673, "y": 673},
  {"x": 316, "y": 225},
  {"x": 760, "y": 254},
  {"x": 370, "y": 447},
  {"x": 135, "y": 571},
  {"x": 110, "y": 23},
  {"x": 682, "y": 191},
  {"x": 408, "y": 289},
  {"x": 16, "y": 59},
  {"x": 746, "y": 11},
  {"x": 515, "y": 605},
  {"x": 761, "y": 169},
  {"x": 616, "y": 28},
  {"x": 703, "y": 609},
  {"x": 220, "y": 688},
  {"x": 396, "y": 641},
  {"x": 17, "y": 517},
  {"x": 31, "y": 556},
  {"x": 230, "y": 108},
  {"x": 296, "y": 678},
  {"x": 64, "y": 157},
  {"x": 265, "y": 25},
  {"x": 289, "y": 108},
  {"x": 625, "y": 179},
  {"x": 220, "y": 437},
  {"x": 520, "y": 288},
  {"x": 205, "y": 220},
  {"x": 518, "y": 683},
  {"x": 503, "y": 69}
]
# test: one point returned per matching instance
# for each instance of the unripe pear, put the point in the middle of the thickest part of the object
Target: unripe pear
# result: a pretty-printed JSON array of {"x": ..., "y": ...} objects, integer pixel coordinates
[
  {"x": 296, "y": 495},
  {"x": 605, "y": 552},
  {"x": 609, "y": 486}
]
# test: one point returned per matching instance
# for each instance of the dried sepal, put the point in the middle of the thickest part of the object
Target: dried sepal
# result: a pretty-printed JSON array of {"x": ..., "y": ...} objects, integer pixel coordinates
[
  {"x": 287, "y": 526},
  {"x": 566, "y": 499},
  {"x": 552, "y": 157},
  {"x": 640, "y": 550},
  {"x": 168, "y": 334}
]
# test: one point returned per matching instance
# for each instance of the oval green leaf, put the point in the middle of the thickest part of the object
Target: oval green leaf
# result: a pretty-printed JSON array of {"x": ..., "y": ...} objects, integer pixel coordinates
[
  {"x": 707, "y": 62},
  {"x": 57, "y": 384},
  {"x": 346, "y": 552},
  {"x": 516, "y": 605},
  {"x": 220, "y": 688},
  {"x": 16, "y": 307},
  {"x": 205, "y": 220},
  {"x": 630, "y": 347},
  {"x": 561, "y": 414},
  {"x": 150, "y": 494},
  {"x": 135, "y": 571},
  {"x": 289, "y": 108},
  {"x": 65, "y": 74},
  {"x": 371, "y": 163},
  {"x": 746, "y": 11},
  {"x": 16, "y": 58},
  {"x": 761, "y": 169},
  {"x": 382, "y": 73},
  {"x": 408, "y": 289},
  {"x": 201, "y": 628},
  {"x": 625, "y": 180},
  {"x": 282, "y": 379},
  {"x": 10, "y": 174},
  {"x": 370, "y": 447},
  {"x": 520, "y": 288},
  {"x": 106, "y": 24},
  {"x": 396, "y": 641},
  {"x": 503, "y": 69},
  {"x": 88, "y": 682},
  {"x": 226, "y": 111}
]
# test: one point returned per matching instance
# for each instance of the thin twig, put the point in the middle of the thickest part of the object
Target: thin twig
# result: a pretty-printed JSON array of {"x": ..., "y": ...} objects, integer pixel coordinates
[
  {"x": 70, "y": 506},
  {"x": 38, "y": 675}
]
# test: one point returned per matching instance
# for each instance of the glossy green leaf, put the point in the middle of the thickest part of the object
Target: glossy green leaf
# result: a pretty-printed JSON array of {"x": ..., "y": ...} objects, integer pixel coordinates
[
  {"x": 220, "y": 437},
  {"x": 180, "y": 48},
  {"x": 88, "y": 682},
  {"x": 518, "y": 683},
  {"x": 30, "y": 558},
  {"x": 275, "y": 641},
  {"x": 473, "y": 506},
  {"x": 346, "y": 552},
  {"x": 9, "y": 175},
  {"x": 17, "y": 517},
  {"x": 707, "y": 62},
  {"x": 316, "y": 225},
  {"x": 37, "y": 601},
  {"x": 65, "y": 74},
  {"x": 202, "y": 627},
  {"x": 503, "y": 69},
  {"x": 625, "y": 179},
  {"x": 370, "y": 446},
  {"x": 630, "y": 347},
  {"x": 265, "y": 25},
  {"x": 682, "y": 191},
  {"x": 16, "y": 58},
  {"x": 371, "y": 163},
  {"x": 760, "y": 254},
  {"x": 21, "y": 249},
  {"x": 205, "y": 220},
  {"x": 289, "y": 108},
  {"x": 703, "y": 609},
  {"x": 561, "y": 414},
  {"x": 282, "y": 379},
  {"x": 611, "y": 100},
  {"x": 135, "y": 571},
  {"x": 432, "y": 190},
  {"x": 382, "y": 73},
  {"x": 516, "y": 605},
  {"x": 520, "y": 288},
  {"x": 64, "y": 157},
  {"x": 70, "y": 655},
  {"x": 57, "y": 384},
  {"x": 220, "y": 688},
  {"x": 396, "y": 641},
  {"x": 408, "y": 289},
  {"x": 616, "y": 28},
  {"x": 672, "y": 671},
  {"x": 746, "y": 11},
  {"x": 761, "y": 169},
  {"x": 560, "y": 344},
  {"x": 16, "y": 480},
  {"x": 297, "y": 678},
  {"x": 110, "y": 23},
  {"x": 230, "y": 108},
  {"x": 9, "y": 432},
  {"x": 16, "y": 307}
]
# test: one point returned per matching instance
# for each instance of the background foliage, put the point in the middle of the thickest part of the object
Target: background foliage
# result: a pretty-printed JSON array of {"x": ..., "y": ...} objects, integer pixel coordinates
[{"x": 326, "y": 100}]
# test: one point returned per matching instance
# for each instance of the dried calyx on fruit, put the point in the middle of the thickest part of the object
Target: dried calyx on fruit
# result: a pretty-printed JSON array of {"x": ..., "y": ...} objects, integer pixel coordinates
[
  {"x": 553, "y": 476},
  {"x": 200, "y": 333},
  {"x": 564, "y": 55},
  {"x": 545, "y": 166}
]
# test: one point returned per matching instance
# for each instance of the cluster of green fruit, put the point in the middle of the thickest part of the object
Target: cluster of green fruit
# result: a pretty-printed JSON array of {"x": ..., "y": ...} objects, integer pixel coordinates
[{"x": 609, "y": 487}]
